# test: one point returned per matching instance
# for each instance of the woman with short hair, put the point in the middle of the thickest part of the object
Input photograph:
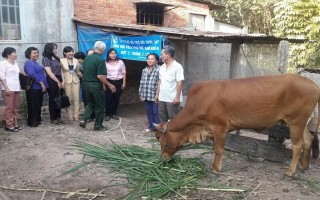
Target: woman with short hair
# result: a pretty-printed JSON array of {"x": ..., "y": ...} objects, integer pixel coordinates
[
  {"x": 38, "y": 88},
  {"x": 10, "y": 88},
  {"x": 147, "y": 90},
  {"x": 71, "y": 74}
]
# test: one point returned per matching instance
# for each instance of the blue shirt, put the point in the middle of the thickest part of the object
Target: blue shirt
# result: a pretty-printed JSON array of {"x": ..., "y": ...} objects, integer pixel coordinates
[{"x": 33, "y": 69}]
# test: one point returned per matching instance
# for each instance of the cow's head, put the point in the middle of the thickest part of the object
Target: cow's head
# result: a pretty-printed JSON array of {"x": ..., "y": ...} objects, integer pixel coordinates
[{"x": 169, "y": 141}]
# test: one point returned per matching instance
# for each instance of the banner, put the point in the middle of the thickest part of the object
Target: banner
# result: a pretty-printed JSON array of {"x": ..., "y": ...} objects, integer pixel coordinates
[
  {"x": 128, "y": 47},
  {"x": 136, "y": 47}
]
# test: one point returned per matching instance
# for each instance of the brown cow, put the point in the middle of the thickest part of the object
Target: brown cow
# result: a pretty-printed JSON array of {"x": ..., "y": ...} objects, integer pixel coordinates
[{"x": 214, "y": 108}]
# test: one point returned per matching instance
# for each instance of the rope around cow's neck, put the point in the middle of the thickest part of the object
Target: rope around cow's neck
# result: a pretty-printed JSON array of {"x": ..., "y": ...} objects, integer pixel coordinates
[{"x": 165, "y": 140}]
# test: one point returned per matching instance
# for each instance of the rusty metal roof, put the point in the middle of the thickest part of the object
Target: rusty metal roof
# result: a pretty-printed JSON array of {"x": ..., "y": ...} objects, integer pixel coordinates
[
  {"x": 211, "y": 5},
  {"x": 161, "y": 2},
  {"x": 188, "y": 34}
]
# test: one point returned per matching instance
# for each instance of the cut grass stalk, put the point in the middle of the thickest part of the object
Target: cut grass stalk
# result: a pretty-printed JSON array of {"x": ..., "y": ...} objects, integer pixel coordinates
[{"x": 148, "y": 176}]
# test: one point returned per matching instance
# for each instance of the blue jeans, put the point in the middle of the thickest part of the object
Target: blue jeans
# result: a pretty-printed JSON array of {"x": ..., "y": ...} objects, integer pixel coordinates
[{"x": 152, "y": 113}]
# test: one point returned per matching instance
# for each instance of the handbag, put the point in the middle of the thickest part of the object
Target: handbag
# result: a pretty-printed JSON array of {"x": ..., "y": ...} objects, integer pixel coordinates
[
  {"x": 25, "y": 81},
  {"x": 61, "y": 101}
]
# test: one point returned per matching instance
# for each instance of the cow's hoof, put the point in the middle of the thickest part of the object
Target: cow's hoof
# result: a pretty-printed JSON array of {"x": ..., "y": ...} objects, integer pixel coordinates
[
  {"x": 302, "y": 168},
  {"x": 289, "y": 173},
  {"x": 286, "y": 178}
]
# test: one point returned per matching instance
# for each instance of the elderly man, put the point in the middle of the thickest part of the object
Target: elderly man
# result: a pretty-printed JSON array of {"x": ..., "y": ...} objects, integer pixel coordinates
[
  {"x": 94, "y": 82},
  {"x": 170, "y": 85}
]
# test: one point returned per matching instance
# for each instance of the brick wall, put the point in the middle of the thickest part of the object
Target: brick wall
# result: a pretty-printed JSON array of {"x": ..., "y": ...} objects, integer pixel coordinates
[{"x": 124, "y": 11}]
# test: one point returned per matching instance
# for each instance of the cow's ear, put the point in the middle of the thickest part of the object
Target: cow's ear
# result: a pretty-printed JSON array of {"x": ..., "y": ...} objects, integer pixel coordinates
[{"x": 160, "y": 127}]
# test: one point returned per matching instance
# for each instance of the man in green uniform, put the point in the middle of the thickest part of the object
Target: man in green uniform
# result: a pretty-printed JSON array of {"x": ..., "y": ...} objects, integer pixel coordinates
[{"x": 94, "y": 82}]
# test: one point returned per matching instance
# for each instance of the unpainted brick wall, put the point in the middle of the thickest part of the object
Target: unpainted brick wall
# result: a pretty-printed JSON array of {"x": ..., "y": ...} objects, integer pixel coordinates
[{"x": 124, "y": 11}]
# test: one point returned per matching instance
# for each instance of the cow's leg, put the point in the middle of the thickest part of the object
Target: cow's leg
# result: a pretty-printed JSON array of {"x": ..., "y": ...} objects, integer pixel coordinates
[
  {"x": 296, "y": 135},
  {"x": 219, "y": 137},
  {"x": 307, "y": 141}
]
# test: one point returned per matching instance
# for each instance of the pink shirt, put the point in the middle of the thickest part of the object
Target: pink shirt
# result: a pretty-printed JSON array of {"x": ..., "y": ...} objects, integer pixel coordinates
[
  {"x": 10, "y": 73},
  {"x": 115, "y": 71}
]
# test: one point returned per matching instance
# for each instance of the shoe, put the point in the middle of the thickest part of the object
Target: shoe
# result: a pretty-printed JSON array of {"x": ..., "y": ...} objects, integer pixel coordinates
[
  {"x": 90, "y": 120},
  {"x": 147, "y": 130},
  {"x": 115, "y": 117},
  {"x": 12, "y": 129},
  {"x": 107, "y": 118},
  {"x": 102, "y": 128},
  {"x": 18, "y": 127},
  {"x": 82, "y": 124},
  {"x": 60, "y": 121},
  {"x": 54, "y": 121}
]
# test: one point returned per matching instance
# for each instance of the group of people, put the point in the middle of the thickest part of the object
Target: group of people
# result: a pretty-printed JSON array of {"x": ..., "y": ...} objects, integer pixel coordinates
[{"x": 101, "y": 81}]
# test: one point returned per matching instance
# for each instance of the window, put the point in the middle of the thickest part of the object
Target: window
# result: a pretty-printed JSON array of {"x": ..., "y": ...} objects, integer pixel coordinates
[
  {"x": 197, "y": 22},
  {"x": 151, "y": 14},
  {"x": 9, "y": 20}
]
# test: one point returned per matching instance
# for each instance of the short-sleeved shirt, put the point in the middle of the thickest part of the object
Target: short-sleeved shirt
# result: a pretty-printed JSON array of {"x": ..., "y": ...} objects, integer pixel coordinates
[
  {"x": 169, "y": 78},
  {"x": 149, "y": 82},
  {"x": 116, "y": 72},
  {"x": 93, "y": 66},
  {"x": 33, "y": 69},
  {"x": 54, "y": 65},
  {"x": 10, "y": 73}
]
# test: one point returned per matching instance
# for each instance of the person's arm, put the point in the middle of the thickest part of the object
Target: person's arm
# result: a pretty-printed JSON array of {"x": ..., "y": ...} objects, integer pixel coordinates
[
  {"x": 124, "y": 74},
  {"x": 3, "y": 79},
  {"x": 101, "y": 75},
  {"x": 62, "y": 75},
  {"x": 179, "y": 78},
  {"x": 103, "y": 80},
  {"x": 179, "y": 90},
  {"x": 140, "y": 86},
  {"x": 156, "y": 98}
]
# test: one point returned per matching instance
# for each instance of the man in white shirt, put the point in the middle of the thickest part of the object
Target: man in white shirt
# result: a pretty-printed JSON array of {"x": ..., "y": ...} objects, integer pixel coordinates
[{"x": 169, "y": 91}]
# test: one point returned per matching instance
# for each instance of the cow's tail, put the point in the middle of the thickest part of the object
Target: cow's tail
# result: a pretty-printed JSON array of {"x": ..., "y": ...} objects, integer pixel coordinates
[{"x": 315, "y": 141}]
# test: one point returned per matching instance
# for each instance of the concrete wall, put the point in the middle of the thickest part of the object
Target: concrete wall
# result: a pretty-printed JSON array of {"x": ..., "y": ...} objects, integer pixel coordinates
[
  {"x": 43, "y": 22},
  {"x": 226, "y": 28}
]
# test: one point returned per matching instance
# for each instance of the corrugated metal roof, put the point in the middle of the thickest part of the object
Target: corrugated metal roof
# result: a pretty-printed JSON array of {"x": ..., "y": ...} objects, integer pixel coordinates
[
  {"x": 188, "y": 34},
  {"x": 211, "y": 5},
  {"x": 162, "y": 2}
]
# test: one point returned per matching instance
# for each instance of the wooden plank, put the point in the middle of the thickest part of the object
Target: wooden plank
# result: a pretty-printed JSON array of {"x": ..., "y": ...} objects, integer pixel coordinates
[{"x": 257, "y": 148}]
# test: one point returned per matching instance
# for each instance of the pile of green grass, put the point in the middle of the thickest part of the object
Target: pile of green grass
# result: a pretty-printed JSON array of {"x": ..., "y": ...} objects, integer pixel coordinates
[{"x": 147, "y": 174}]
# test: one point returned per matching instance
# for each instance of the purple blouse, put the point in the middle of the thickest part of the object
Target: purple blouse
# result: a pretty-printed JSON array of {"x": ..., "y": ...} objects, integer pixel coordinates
[
  {"x": 54, "y": 65},
  {"x": 33, "y": 69}
]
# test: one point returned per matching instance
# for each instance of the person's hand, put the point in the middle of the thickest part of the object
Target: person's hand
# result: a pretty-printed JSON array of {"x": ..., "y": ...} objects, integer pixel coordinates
[
  {"x": 44, "y": 88},
  {"x": 141, "y": 98},
  {"x": 156, "y": 100},
  {"x": 59, "y": 85},
  {"x": 7, "y": 92},
  {"x": 176, "y": 101},
  {"x": 123, "y": 86},
  {"x": 104, "y": 88},
  {"x": 112, "y": 88},
  {"x": 62, "y": 85}
]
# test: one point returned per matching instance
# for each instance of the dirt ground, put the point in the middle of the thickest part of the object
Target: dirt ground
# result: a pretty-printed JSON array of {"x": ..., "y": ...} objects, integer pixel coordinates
[{"x": 34, "y": 158}]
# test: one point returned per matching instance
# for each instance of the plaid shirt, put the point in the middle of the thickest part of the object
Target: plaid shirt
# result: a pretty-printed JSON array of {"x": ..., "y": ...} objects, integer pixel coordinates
[{"x": 149, "y": 83}]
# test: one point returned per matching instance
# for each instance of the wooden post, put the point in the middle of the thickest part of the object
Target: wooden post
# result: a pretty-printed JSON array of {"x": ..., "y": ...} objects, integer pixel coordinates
[
  {"x": 235, "y": 61},
  {"x": 282, "y": 58}
]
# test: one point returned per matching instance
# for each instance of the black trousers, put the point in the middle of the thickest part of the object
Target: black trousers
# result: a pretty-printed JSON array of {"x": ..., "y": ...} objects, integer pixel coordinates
[
  {"x": 112, "y": 99},
  {"x": 53, "y": 92},
  {"x": 34, "y": 104}
]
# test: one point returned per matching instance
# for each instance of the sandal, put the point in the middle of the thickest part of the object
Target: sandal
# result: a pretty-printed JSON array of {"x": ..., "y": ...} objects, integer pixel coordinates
[
  {"x": 60, "y": 121},
  {"x": 55, "y": 122},
  {"x": 12, "y": 129},
  {"x": 18, "y": 127}
]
